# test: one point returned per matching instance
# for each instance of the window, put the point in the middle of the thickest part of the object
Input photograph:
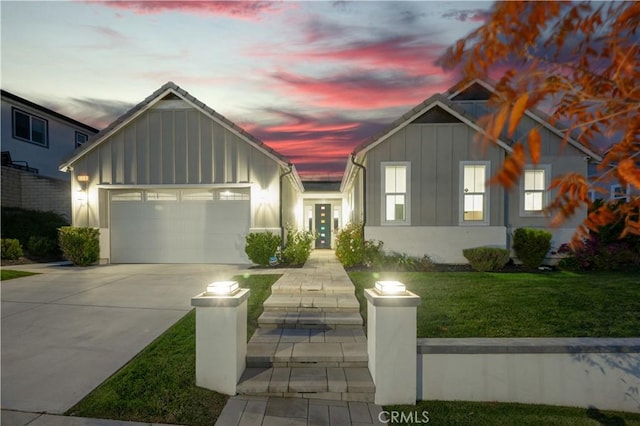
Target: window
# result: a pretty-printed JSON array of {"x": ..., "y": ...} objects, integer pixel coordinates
[
  {"x": 534, "y": 190},
  {"x": 235, "y": 195},
  {"x": 126, "y": 196},
  {"x": 395, "y": 193},
  {"x": 81, "y": 138},
  {"x": 162, "y": 196},
  {"x": 30, "y": 128},
  {"x": 474, "y": 197},
  {"x": 618, "y": 192},
  {"x": 197, "y": 195}
]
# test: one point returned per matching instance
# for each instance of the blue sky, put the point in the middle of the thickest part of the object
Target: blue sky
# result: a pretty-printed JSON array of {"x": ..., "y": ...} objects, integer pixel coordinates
[{"x": 311, "y": 79}]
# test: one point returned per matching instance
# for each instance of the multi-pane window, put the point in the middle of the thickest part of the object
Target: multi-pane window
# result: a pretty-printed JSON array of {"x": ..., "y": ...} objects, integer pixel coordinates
[
  {"x": 30, "y": 128},
  {"x": 395, "y": 197},
  {"x": 618, "y": 192},
  {"x": 81, "y": 138},
  {"x": 534, "y": 189},
  {"x": 474, "y": 193}
]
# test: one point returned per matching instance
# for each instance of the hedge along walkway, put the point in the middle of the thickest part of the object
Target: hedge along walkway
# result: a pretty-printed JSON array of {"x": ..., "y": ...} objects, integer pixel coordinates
[{"x": 307, "y": 363}]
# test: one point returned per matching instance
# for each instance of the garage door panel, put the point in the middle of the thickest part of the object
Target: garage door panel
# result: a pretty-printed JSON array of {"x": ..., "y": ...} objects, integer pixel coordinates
[{"x": 179, "y": 231}]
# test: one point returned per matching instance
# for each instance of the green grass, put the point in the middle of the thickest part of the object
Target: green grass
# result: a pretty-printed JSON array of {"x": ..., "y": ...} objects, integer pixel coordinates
[
  {"x": 555, "y": 304},
  {"x": 462, "y": 413},
  {"x": 9, "y": 275},
  {"x": 158, "y": 385}
]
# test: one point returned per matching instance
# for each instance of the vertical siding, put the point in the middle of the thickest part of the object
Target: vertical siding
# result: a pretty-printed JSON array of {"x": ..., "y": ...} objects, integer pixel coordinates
[
  {"x": 142, "y": 151},
  {"x": 154, "y": 159},
  {"x": 181, "y": 166},
  {"x": 194, "y": 135},
  {"x": 168, "y": 151},
  {"x": 130, "y": 161}
]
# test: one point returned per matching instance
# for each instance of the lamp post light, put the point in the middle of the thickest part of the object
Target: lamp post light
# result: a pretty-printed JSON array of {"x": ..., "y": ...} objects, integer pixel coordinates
[
  {"x": 221, "y": 336},
  {"x": 391, "y": 342}
]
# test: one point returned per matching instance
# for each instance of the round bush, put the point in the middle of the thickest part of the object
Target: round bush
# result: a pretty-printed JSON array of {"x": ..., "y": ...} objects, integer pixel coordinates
[
  {"x": 80, "y": 245},
  {"x": 261, "y": 246}
]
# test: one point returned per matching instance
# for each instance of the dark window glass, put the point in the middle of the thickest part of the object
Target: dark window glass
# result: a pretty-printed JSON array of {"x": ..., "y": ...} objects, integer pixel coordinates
[{"x": 22, "y": 125}]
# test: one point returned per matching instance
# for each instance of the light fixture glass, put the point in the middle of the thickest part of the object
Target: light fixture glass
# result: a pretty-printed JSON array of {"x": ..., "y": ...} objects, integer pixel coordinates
[
  {"x": 223, "y": 288},
  {"x": 83, "y": 178},
  {"x": 390, "y": 287}
]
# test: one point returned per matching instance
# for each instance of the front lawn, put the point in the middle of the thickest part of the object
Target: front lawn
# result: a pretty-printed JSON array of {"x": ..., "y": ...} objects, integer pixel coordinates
[
  {"x": 9, "y": 275},
  {"x": 158, "y": 385},
  {"x": 554, "y": 304}
]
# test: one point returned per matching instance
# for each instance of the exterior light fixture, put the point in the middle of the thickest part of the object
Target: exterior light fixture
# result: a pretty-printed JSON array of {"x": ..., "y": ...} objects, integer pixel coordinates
[
  {"x": 390, "y": 287},
  {"x": 82, "y": 178},
  {"x": 82, "y": 197},
  {"x": 223, "y": 288}
]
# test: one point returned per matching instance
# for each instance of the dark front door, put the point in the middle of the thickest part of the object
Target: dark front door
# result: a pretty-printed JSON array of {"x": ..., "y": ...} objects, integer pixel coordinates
[{"x": 323, "y": 225}]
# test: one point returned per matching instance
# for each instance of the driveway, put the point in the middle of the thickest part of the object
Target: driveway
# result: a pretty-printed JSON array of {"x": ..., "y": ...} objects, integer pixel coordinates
[{"x": 68, "y": 329}]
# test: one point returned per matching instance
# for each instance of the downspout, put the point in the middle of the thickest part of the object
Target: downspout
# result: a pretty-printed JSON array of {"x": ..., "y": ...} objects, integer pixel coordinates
[
  {"x": 364, "y": 191},
  {"x": 281, "y": 213}
]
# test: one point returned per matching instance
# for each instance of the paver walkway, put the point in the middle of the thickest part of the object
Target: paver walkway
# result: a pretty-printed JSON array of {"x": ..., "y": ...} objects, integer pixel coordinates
[{"x": 307, "y": 363}]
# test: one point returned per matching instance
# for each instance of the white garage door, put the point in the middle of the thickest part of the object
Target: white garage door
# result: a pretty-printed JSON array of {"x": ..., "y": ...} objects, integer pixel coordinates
[{"x": 179, "y": 226}]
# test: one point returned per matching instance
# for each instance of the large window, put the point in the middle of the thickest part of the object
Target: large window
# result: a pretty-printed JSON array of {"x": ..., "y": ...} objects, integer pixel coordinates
[
  {"x": 474, "y": 197},
  {"x": 395, "y": 178},
  {"x": 81, "y": 138},
  {"x": 535, "y": 181},
  {"x": 30, "y": 128}
]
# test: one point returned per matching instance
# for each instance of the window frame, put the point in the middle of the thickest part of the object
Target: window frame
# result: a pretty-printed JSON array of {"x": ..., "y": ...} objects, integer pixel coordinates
[
  {"x": 76, "y": 134},
  {"x": 407, "y": 194},
  {"x": 546, "y": 168},
  {"x": 31, "y": 117},
  {"x": 486, "y": 195},
  {"x": 623, "y": 196}
]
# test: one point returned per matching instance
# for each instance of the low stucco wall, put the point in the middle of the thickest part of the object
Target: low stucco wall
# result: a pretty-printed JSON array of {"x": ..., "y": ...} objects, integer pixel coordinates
[
  {"x": 581, "y": 372},
  {"x": 443, "y": 244}
]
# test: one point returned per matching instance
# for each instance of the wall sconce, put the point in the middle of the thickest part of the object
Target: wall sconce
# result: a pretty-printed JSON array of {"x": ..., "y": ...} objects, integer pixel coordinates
[
  {"x": 82, "y": 178},
  {"x": 223, "y": 288},
  {"x": 82, "y": 197},
  {"x": 390, "y": 287}
]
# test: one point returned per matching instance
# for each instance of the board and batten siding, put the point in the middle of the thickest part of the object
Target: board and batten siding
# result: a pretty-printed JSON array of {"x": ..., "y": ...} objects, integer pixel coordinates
[
  {"x": 173, "y": 146},
  {"x": 435, "y": 152}
]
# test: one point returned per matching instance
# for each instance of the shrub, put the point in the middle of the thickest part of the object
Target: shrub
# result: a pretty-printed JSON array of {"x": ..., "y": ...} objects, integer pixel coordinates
[
  {"x": 42, "y": 247},
  {"x": 24, "y": 224},
  {"x": 531, "y": 245},
  {"x": 261, "y": 246},
  {"x": 484, "y": 259},
  {"x": 350, "y": 245},
  {"x": 298, "y": 246},
  {"x": 11, "y": 249},
  {"x": 80, "y": 245}
]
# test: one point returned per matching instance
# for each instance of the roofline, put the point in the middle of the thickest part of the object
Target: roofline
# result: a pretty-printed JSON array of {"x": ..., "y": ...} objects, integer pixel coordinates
[
  {"x": 534, "y": 114},
  {"x": 9, "y": 95},
  {"x": 151, "y": 100}
]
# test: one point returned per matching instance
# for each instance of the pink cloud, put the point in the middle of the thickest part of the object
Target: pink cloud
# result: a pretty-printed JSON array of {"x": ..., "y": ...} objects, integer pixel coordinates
[{"x": 230, "y": 9}]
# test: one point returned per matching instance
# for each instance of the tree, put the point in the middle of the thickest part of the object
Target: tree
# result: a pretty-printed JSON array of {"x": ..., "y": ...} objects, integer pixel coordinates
[{"x": 581, "y": 61}]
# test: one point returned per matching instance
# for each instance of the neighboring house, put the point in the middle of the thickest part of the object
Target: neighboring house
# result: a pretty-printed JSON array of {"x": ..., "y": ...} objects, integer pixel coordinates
[
  {"x": 421, "y": 186},
  {"x": 173, "y": 181},
  {"x": 35, "y": 140},
  {"x": 605, "y": 185}
]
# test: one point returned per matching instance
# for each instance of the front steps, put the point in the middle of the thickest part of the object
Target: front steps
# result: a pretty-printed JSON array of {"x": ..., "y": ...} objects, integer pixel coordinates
[{"x": 310, "y": 342}]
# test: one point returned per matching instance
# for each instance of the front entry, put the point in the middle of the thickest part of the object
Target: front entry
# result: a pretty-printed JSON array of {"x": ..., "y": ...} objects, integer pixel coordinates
[{"x": 323, "y": 226}]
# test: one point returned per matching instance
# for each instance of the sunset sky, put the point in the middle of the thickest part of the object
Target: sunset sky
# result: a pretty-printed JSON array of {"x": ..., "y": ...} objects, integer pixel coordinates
[{"x": 311, "y": 79}]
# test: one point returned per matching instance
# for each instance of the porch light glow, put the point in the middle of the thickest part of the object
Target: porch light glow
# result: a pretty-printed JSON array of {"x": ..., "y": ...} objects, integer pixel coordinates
[
  {"x": 390, "y": 287},
  {"x": 82, "y": 197},
  {"x": 83, "y": 178},
  {"x": 223, "y": 288}
]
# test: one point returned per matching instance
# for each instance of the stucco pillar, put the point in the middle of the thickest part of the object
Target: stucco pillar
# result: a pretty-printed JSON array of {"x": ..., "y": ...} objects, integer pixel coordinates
[
  {"x": 221, "y": 340},
  {"x": 391, "y": 344}
]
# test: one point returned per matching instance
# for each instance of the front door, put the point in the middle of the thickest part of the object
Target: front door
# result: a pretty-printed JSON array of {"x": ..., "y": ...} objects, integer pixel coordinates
[{"x": 323, "y": 226}]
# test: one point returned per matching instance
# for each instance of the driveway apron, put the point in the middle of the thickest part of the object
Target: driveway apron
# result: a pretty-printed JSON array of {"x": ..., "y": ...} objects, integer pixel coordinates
[{"x": 68, "y": 329}]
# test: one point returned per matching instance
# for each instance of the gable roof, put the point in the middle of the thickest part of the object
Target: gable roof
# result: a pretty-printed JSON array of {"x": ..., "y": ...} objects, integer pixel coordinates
[
  {"x": 8, "y": 95},
  {"x": 533, "y": 113},
  {"x": 166, "y": 89}
]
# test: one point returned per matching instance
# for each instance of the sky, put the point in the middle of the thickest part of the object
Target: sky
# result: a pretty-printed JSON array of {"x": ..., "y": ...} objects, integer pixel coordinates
[{"x": 311, "y": 79}]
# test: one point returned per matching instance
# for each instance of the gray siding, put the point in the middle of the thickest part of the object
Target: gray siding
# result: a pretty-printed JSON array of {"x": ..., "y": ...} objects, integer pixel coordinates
[{"x": 435, "y": 152}]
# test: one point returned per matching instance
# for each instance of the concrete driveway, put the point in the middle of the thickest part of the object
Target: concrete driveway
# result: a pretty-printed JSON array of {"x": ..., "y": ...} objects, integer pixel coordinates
[{"x": 68, "y": 329}]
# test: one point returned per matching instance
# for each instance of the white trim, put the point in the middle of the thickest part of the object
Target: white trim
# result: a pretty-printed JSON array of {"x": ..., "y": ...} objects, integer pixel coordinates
[
  {"x": 407, "y": 194},
  {"x": 486, "y": 200},
  {"x": 612, "y": 192},
  {"x": 546, "y": 168}
]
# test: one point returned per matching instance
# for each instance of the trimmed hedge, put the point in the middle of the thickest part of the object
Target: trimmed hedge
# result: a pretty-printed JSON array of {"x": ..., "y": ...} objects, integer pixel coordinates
[
  {"x": 31, "y": 227},
  {"x": 80, "y": 245},
  {"x": 485, "y": 259},
  {"x": 531, "y": 246},
  {"x": 261, "y": 246},
  {"x": 11, "y": 248}
]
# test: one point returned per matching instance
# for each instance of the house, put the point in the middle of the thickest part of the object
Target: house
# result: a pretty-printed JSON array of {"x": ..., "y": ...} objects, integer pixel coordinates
[
  {"x": 173, "y": 181},
  {"x": 421, "y": 186},
  {"x": 35, "y": 140}
]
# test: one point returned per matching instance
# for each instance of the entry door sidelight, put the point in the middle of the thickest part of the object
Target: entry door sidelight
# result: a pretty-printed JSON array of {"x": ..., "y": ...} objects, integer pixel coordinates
[{"x": 323, "y": 225}]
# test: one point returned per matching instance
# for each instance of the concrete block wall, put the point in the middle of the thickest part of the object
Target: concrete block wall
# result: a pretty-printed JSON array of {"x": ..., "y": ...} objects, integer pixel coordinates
[
  {"x": 603, "y": 373},
  {"x": 32, "y": 191}
]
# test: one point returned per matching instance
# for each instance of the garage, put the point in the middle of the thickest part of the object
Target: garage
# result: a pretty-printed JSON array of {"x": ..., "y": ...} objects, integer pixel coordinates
[{"x": 179, "y": 225}]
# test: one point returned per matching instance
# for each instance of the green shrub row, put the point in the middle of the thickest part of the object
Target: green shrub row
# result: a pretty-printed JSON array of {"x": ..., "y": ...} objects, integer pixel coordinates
[
  {"x": 485, "y": 259},
  {"x": 11, "y": 248},
  {"x": 37, "y": 231},
  {"x": 298, "y": 246}
]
